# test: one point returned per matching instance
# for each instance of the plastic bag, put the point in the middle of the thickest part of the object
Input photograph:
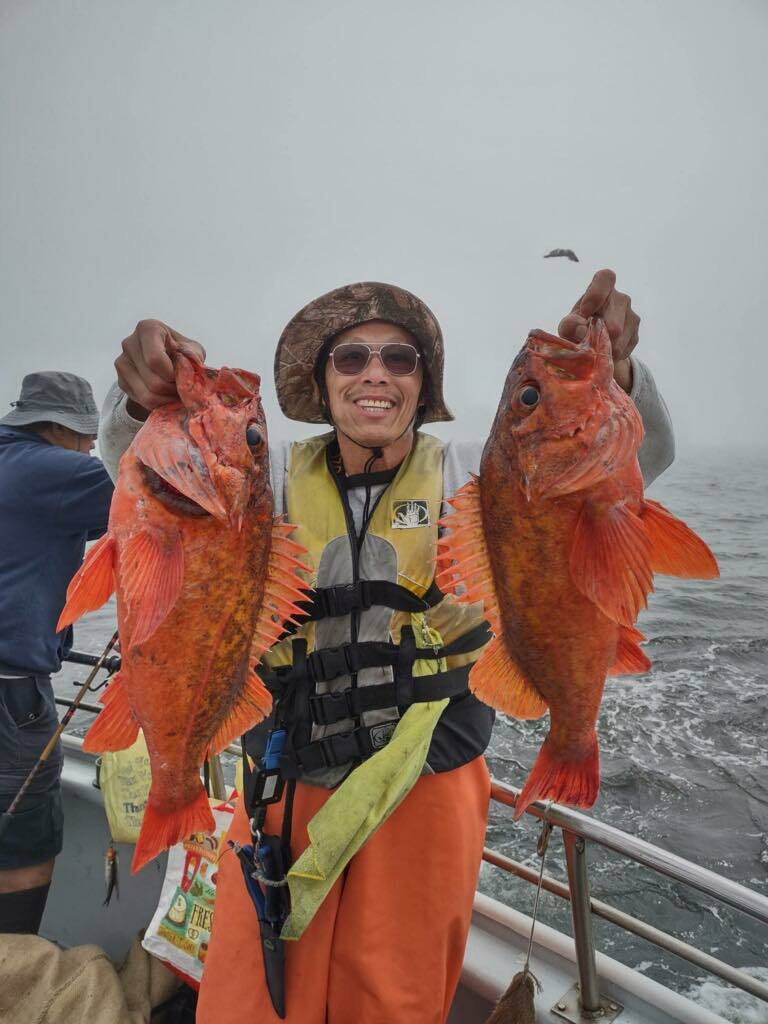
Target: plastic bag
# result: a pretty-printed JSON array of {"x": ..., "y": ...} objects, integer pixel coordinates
[
  {"x": 179, "y": 932},
  {"x": 125, "y": 779}
]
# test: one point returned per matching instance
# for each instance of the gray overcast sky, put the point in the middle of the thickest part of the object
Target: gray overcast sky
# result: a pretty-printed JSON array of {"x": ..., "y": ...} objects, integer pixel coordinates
[{"x": 217, "y": 165}]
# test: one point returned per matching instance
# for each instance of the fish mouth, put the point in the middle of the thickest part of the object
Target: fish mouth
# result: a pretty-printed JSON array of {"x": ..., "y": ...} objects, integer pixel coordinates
[
  {"x": 566, "y": 359},
  {"x": 545, "y": 343},
  {"x": 169, "y": 495}
]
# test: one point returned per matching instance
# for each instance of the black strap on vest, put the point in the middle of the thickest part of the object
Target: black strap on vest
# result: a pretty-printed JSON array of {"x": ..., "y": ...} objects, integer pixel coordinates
[
  {"x": 295, "y": 684},
  {"x": 329, "y": 663},
  {"x": 329, "y": 708},
  {"x": 330, "y": 602}
]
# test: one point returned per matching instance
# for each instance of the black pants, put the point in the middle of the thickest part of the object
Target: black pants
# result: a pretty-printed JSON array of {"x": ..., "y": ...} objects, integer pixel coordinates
[{"x": 28, "y": 719}]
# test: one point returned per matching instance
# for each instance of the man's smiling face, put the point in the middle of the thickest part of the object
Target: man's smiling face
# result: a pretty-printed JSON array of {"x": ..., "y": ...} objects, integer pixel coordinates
[{"x": 374, "y": 407}]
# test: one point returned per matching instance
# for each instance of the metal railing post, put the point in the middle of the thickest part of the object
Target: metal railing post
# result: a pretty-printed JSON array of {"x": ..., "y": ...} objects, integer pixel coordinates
[{"x": 581, "y": 911}]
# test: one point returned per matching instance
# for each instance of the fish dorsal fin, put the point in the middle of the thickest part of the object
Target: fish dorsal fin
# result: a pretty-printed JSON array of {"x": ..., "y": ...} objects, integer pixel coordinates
[
  {"x": 116, "y": 727},
  {"x": 675, "y": 549},
  {"x": 630, "y": 660},
  {"x": 250, "y": 708},
  {"x": 496, "y": 680},
  {"x": 611, "y": 560},
  {"x": 621, "y": 432},
  {"x": 283, "y": 587},
  {"x": 175, "y": 457},
  {"x": 92, "y": 585},
  {"x": 463, "y": 554},
  {"x": 151, "y": 568}
]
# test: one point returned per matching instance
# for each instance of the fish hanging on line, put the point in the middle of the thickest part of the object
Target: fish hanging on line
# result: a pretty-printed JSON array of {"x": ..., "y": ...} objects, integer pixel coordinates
[
  {"x": 111, "y": 866},
  {"x": 568, "y": 253},
  {"x": 205, "y": 579},
  {"x": 558, "y": 541}
]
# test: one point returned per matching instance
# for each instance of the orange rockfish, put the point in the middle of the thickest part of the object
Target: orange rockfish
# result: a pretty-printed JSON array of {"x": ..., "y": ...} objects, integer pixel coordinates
[
  {"x": 204, "y": 581},
  {"x": 556, "y": 538}
]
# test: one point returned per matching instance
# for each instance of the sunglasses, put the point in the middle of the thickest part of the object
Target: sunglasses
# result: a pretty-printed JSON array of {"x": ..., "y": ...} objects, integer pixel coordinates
[{"x": 397, "y": 358}]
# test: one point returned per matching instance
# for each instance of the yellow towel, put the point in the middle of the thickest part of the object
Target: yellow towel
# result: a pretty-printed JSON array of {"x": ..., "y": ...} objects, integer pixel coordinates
[{"x": 364, "y": 801}]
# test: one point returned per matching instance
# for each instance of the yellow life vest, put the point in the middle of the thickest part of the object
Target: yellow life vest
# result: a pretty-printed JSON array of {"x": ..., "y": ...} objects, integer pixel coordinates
[{"x": 399, "y": 547}]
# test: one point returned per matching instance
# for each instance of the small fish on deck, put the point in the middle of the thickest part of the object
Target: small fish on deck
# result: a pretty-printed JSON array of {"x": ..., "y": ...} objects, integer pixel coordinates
[{"x": 111, "y": 867}]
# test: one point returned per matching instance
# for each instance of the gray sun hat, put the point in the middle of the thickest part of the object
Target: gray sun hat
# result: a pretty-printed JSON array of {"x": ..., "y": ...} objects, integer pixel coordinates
[{"x": 52, "y": 396}]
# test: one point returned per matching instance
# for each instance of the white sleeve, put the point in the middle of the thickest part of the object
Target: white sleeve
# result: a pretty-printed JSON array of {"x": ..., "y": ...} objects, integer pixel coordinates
[
  {"x": 279, "y": 453},
  {"x": 460, "y": 460},
  {"x": 657, "y": 452},
  {"x": 116, "y": 429}
]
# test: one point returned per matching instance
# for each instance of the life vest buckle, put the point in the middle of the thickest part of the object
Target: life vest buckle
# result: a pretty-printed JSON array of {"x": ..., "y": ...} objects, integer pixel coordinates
[
  {"x": 331, "y": 662},
  {"x": 329, "y": 708}
]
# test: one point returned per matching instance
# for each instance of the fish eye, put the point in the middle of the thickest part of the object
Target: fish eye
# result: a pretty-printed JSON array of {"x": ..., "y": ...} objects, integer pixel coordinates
[
  {"x": 530, "y": 396},
  {"x": 253, "y": 435}
]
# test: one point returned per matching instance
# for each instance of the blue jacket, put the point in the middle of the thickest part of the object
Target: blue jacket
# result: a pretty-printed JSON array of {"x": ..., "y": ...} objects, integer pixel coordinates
[{"x": 51, "y": 501}]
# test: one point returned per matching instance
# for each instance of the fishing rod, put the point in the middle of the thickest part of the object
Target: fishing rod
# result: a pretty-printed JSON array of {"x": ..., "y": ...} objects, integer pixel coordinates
[{"x": 5, "y": 818}]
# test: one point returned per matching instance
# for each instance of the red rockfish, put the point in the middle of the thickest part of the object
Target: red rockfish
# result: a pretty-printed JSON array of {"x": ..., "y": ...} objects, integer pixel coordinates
[
  {"x": 204, "y": 580},
  {"x": 556, "y": 538}
]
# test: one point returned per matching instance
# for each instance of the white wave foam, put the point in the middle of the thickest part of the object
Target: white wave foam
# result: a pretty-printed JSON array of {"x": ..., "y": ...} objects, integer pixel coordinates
[{"x": 737, "y": 1007}]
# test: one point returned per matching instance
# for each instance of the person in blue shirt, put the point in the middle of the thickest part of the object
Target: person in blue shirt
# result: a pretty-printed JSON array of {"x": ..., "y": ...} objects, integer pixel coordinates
[{"x": 53, "y": 498}]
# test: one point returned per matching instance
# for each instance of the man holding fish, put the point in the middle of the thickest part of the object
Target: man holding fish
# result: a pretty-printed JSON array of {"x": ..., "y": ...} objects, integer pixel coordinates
[{"x": 378, "y": 664}]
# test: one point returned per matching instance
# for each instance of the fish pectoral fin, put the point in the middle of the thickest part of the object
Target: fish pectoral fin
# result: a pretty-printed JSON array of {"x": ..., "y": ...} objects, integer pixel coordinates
[
  {"x": 465, "y": 566},
  {"x": 151, "y": 568},
  {"x": 630, "y": 660},
  {"x": 495, "y": 679},
  {"x": 565, "y": 777},
  {"x": 250, "y": 708},
  {"x": 161, "y": 830},
  {"x": 283, "y": 587},
  {"x": 116, "y": 726},
  {"x": 675, "y": 549},
  {"x": 611, "y": 561},
  {"x": 92, "y": 585}
]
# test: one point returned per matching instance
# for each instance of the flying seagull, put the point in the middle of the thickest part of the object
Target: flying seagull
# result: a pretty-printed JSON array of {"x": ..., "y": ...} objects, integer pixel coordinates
[{"x": 563, "y": 252}]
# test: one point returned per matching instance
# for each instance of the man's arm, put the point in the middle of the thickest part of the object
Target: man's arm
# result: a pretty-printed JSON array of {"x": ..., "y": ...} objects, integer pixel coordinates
[
  {"x": 117, "y": 429},
  {"x": 84, "y": 498},
  {"x": 657, "y": 452}
]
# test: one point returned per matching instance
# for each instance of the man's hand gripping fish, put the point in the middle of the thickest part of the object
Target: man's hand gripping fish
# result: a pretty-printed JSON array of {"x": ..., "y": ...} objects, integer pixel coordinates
[
  {"x": 557, "y": 540},
  {"x": 204, "y": 581}
]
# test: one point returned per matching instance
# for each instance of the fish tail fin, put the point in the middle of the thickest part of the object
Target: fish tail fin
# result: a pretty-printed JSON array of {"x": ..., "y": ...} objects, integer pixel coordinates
[
  {"x": 564, "y": 779},
  {"x": 160, "y": 829},
  {"x": 92, "y": 585}
]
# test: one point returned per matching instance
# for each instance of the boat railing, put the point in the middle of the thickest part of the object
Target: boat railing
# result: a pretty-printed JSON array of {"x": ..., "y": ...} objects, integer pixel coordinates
[{"x": 578, "y": 830}]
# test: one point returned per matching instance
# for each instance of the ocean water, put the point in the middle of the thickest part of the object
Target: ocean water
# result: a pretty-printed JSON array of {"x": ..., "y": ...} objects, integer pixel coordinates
[{"x": 684, "y": 748}]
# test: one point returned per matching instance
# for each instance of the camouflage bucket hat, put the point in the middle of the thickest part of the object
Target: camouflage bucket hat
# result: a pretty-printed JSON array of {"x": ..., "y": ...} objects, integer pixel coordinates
[{"x": 304, "y": 338}]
